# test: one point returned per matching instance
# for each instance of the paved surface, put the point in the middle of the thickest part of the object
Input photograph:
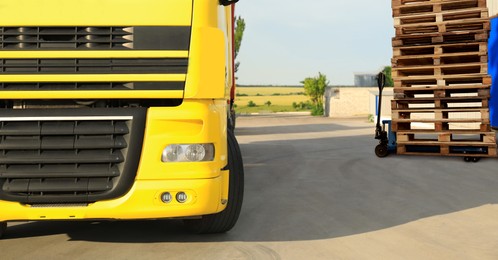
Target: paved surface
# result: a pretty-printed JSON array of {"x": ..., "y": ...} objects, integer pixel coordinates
[{"x": 314, "y": 190}]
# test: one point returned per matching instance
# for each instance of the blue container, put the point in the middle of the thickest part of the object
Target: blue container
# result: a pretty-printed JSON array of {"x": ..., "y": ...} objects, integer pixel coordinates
[{"x": 493, "y": 71}]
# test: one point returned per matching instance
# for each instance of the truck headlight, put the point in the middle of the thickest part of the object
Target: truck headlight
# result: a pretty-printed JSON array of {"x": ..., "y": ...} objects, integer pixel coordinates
[{"x": 188, "y": 153}]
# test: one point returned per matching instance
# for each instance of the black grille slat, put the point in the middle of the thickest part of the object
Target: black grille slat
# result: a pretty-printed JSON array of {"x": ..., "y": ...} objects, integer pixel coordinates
[
  {"x": 60, "y": 185},
  {"x": 20, "y": 142},
  {"x": 59, "y": 171},
  {"x": 57, "y": 128},
  {"x": 20, "y": 128},
  {"x": 82, "y": 157},
  {"x": 62, "y": 142},
  {"x": 65, "y": 185},
  {"x": 89, "y": 127},
  {"x": 94, "y": 156},
  {"x": 94, "y": 66},
  {"x": 60, "y": 86}
]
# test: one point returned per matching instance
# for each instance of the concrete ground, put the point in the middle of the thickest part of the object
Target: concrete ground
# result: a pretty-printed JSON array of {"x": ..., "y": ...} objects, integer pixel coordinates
[{"x": 314, "y": 190}]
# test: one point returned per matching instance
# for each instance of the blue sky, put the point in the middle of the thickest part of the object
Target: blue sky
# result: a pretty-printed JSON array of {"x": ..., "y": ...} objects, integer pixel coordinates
[{"x": 287, "y": 41}]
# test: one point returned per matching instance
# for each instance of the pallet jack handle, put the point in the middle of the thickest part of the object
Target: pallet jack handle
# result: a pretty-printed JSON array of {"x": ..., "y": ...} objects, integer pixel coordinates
[{"x": 381, "y": 83}]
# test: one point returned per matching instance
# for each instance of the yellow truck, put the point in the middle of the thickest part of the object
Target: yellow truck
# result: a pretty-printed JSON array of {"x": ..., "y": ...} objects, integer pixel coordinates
[{"x": 118, "y": 109}]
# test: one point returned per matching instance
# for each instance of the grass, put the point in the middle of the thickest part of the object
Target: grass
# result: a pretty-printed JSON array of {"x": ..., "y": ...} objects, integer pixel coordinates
[
  {"x": 281, "y": 99},
  {"x": 268, "y": 91}
]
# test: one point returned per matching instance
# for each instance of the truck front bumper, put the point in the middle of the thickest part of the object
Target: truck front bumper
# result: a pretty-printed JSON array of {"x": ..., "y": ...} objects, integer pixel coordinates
[{"x": 142, "y": 202}]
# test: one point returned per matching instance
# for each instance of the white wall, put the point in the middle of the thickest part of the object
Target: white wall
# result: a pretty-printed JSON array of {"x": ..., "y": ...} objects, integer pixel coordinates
[
  {"x": 356, "y": 102},
  {"x": 493, "y": 7}
]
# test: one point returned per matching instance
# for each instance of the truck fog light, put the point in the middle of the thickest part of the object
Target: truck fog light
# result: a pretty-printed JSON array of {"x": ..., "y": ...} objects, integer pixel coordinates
[
  {"x": 166, "y": 197},
  {"x": 188, "y": 153},
  {"x": 181, "y": 197}
]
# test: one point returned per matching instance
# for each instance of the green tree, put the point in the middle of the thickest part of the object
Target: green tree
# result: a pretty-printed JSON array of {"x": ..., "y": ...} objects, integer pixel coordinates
[
  {"x": 268, "y": 103},
  {"x": 314, "y": 87},
  {"x": 389, "y": 78},
  {"x": 240, "y": 26}
]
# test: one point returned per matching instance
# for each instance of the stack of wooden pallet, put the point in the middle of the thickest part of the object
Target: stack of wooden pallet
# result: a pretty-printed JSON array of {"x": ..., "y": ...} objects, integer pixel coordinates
[{"x": 440, "y": 77}]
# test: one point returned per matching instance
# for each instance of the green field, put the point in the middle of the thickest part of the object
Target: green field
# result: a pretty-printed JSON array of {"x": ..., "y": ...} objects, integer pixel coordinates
[{"x": 281, "y": 99}]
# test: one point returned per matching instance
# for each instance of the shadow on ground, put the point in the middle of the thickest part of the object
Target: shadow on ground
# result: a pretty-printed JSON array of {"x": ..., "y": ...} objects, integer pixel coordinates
[{"x": 315, "y": 189}]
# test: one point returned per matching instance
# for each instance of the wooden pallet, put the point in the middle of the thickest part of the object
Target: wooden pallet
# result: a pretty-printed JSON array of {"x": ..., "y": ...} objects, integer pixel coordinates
[
  {"x": 465, "y": 14},
  {"x": 442, "y": 80},
  {"x": 452, "y": 115},
  {"x": 403, "y": 72},
  {"x": 447, "y": 149},
  {"x": 481, "y": 48},
  {"x": 482, "y": 91},
  {"x": 439, "y": 59},
  {"x": 440, "y": 38},
  {"x": 440, "y": 103},
  {"x": 447, "y": 136},
  {"x": 469, "y": 25},
  {"x": 411, "y": 125},
  {"x": 414, "y": 7}
]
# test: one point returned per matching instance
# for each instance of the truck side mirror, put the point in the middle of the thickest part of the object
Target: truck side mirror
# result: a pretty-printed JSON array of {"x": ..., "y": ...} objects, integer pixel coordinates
[{"x": 228, "y": 2}]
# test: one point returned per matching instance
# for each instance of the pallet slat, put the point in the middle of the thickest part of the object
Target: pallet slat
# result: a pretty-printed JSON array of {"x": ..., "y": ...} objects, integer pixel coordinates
[
  {"x": 442, "y": 80},
  {"x": 443, "y": 27},
  {"x": 471, "y": 13},
  {"x": 413, "y": 7},
  {"x": 441, "y": 49},
  {"x": 447, "y": 150},
  {"x": 439, "y": 38}
]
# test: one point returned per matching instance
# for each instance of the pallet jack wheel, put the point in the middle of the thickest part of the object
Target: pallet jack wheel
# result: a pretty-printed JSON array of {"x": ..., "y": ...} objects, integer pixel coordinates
[
  {"x": 467, "y": 159},
  {"x": 475, "y": 159},
  {"x": 381, "y": 150}
]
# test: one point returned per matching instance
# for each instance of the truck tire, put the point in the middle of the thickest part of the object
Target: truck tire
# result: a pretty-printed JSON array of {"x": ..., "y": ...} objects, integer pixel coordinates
[
  {"x": 3, "y": 228},
  {"x": 225, "y": 220},
  {"x": 232, "y": 120}
]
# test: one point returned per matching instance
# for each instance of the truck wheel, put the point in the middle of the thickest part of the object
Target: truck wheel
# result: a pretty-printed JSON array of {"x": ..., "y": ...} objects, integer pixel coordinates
[
  {"x": 232, "y": 120},
  {"x": 381, "y": 150},
  {"x": 3, "y": 228},
  {"x": 224, "y": 221}
]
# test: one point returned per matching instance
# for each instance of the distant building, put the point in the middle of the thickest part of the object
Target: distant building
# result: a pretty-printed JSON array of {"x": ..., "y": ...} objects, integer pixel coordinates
[{"x": 365, "y": 80}]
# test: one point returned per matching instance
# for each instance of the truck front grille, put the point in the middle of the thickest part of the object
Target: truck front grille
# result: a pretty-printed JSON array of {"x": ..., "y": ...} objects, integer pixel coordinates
[
  {"x": 77, "y": 156},
  {"x": 95, "y": 38}
]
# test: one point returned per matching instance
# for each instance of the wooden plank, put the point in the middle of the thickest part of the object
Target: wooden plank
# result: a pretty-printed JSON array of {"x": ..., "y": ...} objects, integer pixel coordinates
[
  {"x": 426, "y": 137},
  {"x": 440, "y": 38},
  {"x": 444, "y": 120},
  {"x": 443, "y": 110},
  {"x": 444, "y": 16},
  {"x": 443, "y": 27},
  {"x": 406, "y": 72},
  {"x": 456, "y": 132},
  {"x": 435, "y": 104},
  {"x": 413, "y": 7},
  {"x": 441, "y": 49},
  {"x": 408, "y": 126},
  {"x": 482, "y": 91},
  {"x": 447, "y": 149},
  {"x": 442, "y": 80},
  {"x": 439, "y": 59}
]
